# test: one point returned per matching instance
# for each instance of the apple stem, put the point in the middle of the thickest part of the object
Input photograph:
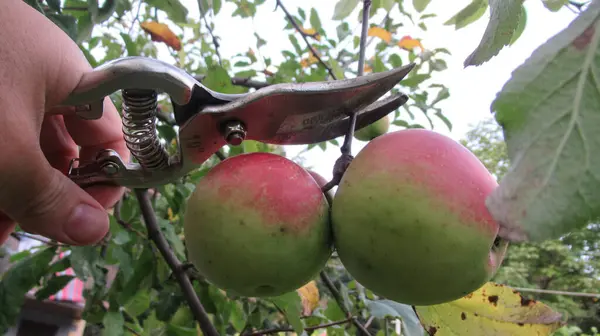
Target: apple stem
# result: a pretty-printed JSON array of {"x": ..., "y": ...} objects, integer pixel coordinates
[
  {"x": 342, "y": 163},
  {"x": 176, "y": 266}
]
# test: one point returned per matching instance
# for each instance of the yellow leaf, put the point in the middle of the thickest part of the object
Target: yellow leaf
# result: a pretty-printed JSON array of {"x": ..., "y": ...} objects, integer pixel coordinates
[
  {"x": 311, "y": 59},
  {"x": 310, "y": 32},
  {"x": 381, "y": 33},
  {"x": 160, "y": 32},
  {"x": 172, "y": 217},
  {"x": 367, "y": 68},
  {"x": 409, "y": 43},
  {"x": 309, "y": 294},
  {"x": 492, "y": 310}
]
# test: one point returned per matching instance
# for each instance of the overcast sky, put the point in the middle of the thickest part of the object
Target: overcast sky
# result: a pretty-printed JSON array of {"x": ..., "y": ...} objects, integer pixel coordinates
[{"x": 472, "y": 89}]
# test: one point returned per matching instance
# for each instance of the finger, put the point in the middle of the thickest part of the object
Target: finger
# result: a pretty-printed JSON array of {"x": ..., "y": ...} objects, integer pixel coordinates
[
  {"x": 7, "y": 226},
  {"x": 59, "y": 148},
  {"x": 95, "y": 135},
  {"x": 45, "y": 201}
]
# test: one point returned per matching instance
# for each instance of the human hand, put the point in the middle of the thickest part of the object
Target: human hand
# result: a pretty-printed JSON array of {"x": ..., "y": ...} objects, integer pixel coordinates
[{"x": 39, "y": 66}]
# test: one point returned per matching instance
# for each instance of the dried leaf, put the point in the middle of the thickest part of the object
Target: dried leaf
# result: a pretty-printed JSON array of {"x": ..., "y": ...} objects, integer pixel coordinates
[
  {"x": 160, "y": 32},
  {"x": 381, "y": 33},
  {"x": 309, "y": 294},
  {"x": 492, "y": 310},
  {"x": 409, "y": 43}
]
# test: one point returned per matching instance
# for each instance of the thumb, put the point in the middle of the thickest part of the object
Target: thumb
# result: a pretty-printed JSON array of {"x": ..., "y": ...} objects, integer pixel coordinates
[{"x": 43, "y": 200}]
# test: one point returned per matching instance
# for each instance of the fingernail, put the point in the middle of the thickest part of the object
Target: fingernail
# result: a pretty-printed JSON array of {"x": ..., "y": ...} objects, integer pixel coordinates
[{"x": 87, "y": 225}]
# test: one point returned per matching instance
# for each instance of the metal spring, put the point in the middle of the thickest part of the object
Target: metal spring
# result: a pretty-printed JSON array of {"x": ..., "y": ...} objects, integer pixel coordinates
[{"x": 139, "y": 128}]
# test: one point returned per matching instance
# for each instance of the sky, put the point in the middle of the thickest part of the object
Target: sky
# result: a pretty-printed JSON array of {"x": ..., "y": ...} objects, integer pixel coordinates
[{"x": 472, "y": 89}]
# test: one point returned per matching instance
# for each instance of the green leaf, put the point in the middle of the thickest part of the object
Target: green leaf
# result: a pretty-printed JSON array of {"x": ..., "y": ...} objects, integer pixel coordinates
[
  {"x": 174, "y": 9},
  {"x": 343, "y": 8},
  {"x": 55, "y": 284},
  {"x": 555, "y": 5},
  {"x": 388, "y": 308},
  {"x": 37, "y": 5},
  {"x": 315, "y": 22},
  {"x": 521, "y": 26},
  {"x": 67, "y": 23},
  {"x": 20, "y": 279},
  {"x": 54, "y": 5},
  {"x": 216, "y": 7},
  {"x": 105, "y": 12},
  {"x": 113, "y": 322},
  {"x": 343, "y": 31},
  {"x": 387, "y": 4},
  {"x": 549, "y": 113},
  {"x": 420, "y": 5},
  {"x": 337, "y": 69},
  {"x": 291, "y": 304},
  {"x": 414, "y": 80},
  {"x": 218, "y": 79},
  {"x": 504, "y": 20},
  {"x": 85, "y": 27},
  {"x": 130, "y": 45},
  {"x": 444, "y": 93},
  {"x": 138, "y": 304},
  {"x": 471, "y": 13}
]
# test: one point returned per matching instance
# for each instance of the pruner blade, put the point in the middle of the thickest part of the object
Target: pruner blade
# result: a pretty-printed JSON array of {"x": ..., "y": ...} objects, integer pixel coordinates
[{"x": 291, "y": 113}]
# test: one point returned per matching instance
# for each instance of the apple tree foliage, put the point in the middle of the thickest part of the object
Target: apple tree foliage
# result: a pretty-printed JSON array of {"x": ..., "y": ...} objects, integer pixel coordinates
[
  {"x": 570, "y": 263},
  {"x": 143, "y": 298}
]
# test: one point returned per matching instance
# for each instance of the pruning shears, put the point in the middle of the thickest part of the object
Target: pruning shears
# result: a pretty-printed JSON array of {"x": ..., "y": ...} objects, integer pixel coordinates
[{"x": 284, "y": 114}]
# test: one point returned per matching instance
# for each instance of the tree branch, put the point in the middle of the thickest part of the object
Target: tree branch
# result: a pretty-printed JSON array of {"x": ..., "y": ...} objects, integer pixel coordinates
[
  {"x": 210, "y": 31},
  {"x": 305, "y": 38},
  {"x": 342, "y": 163},
  {"x": 307, "y": 329},
  {"x": 157, "y": 237},
  {"x": 340, "y": 301},
  {"x": 124, "y": 224}
]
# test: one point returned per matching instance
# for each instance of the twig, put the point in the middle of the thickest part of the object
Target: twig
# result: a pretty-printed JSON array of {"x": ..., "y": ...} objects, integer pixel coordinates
[
  {"x": 136, "y": 18},
  {"x": 157, "y": 237},
  {"x": 363, "y": 37},
  {"x": 124, "y": 224},
  {"x": 342, "y": 163},
  {"x": 210, "y": 31},
  {"x": 131, "y": 330},
  {"x": 548, "y": 291},
  {"x": 307, "y": 329},
  {"x": 21, "y": 234},
  {"x": 340, "y": 301},
  {"x": 305, "y": 38}
]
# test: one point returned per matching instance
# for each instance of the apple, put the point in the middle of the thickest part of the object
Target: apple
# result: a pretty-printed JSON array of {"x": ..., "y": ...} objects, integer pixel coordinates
[
  {"x": 373, "y": 130},
  {"x": 321, "y": 181},
  {"x": 409, "y": 219},
  {"x": 258, "y": 225}
]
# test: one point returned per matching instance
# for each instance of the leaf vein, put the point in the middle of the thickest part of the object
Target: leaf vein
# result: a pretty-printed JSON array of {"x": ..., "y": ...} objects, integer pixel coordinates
[{"x": 585, "y": 69}]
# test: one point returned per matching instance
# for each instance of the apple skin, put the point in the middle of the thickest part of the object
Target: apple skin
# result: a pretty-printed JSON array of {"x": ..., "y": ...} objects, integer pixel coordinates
[
  {"x": 410, "y": 222},
  {"x": 373, "y": 130},
  {"x": 258, "y": 225},
  {"x": 321, "y": 181}
]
